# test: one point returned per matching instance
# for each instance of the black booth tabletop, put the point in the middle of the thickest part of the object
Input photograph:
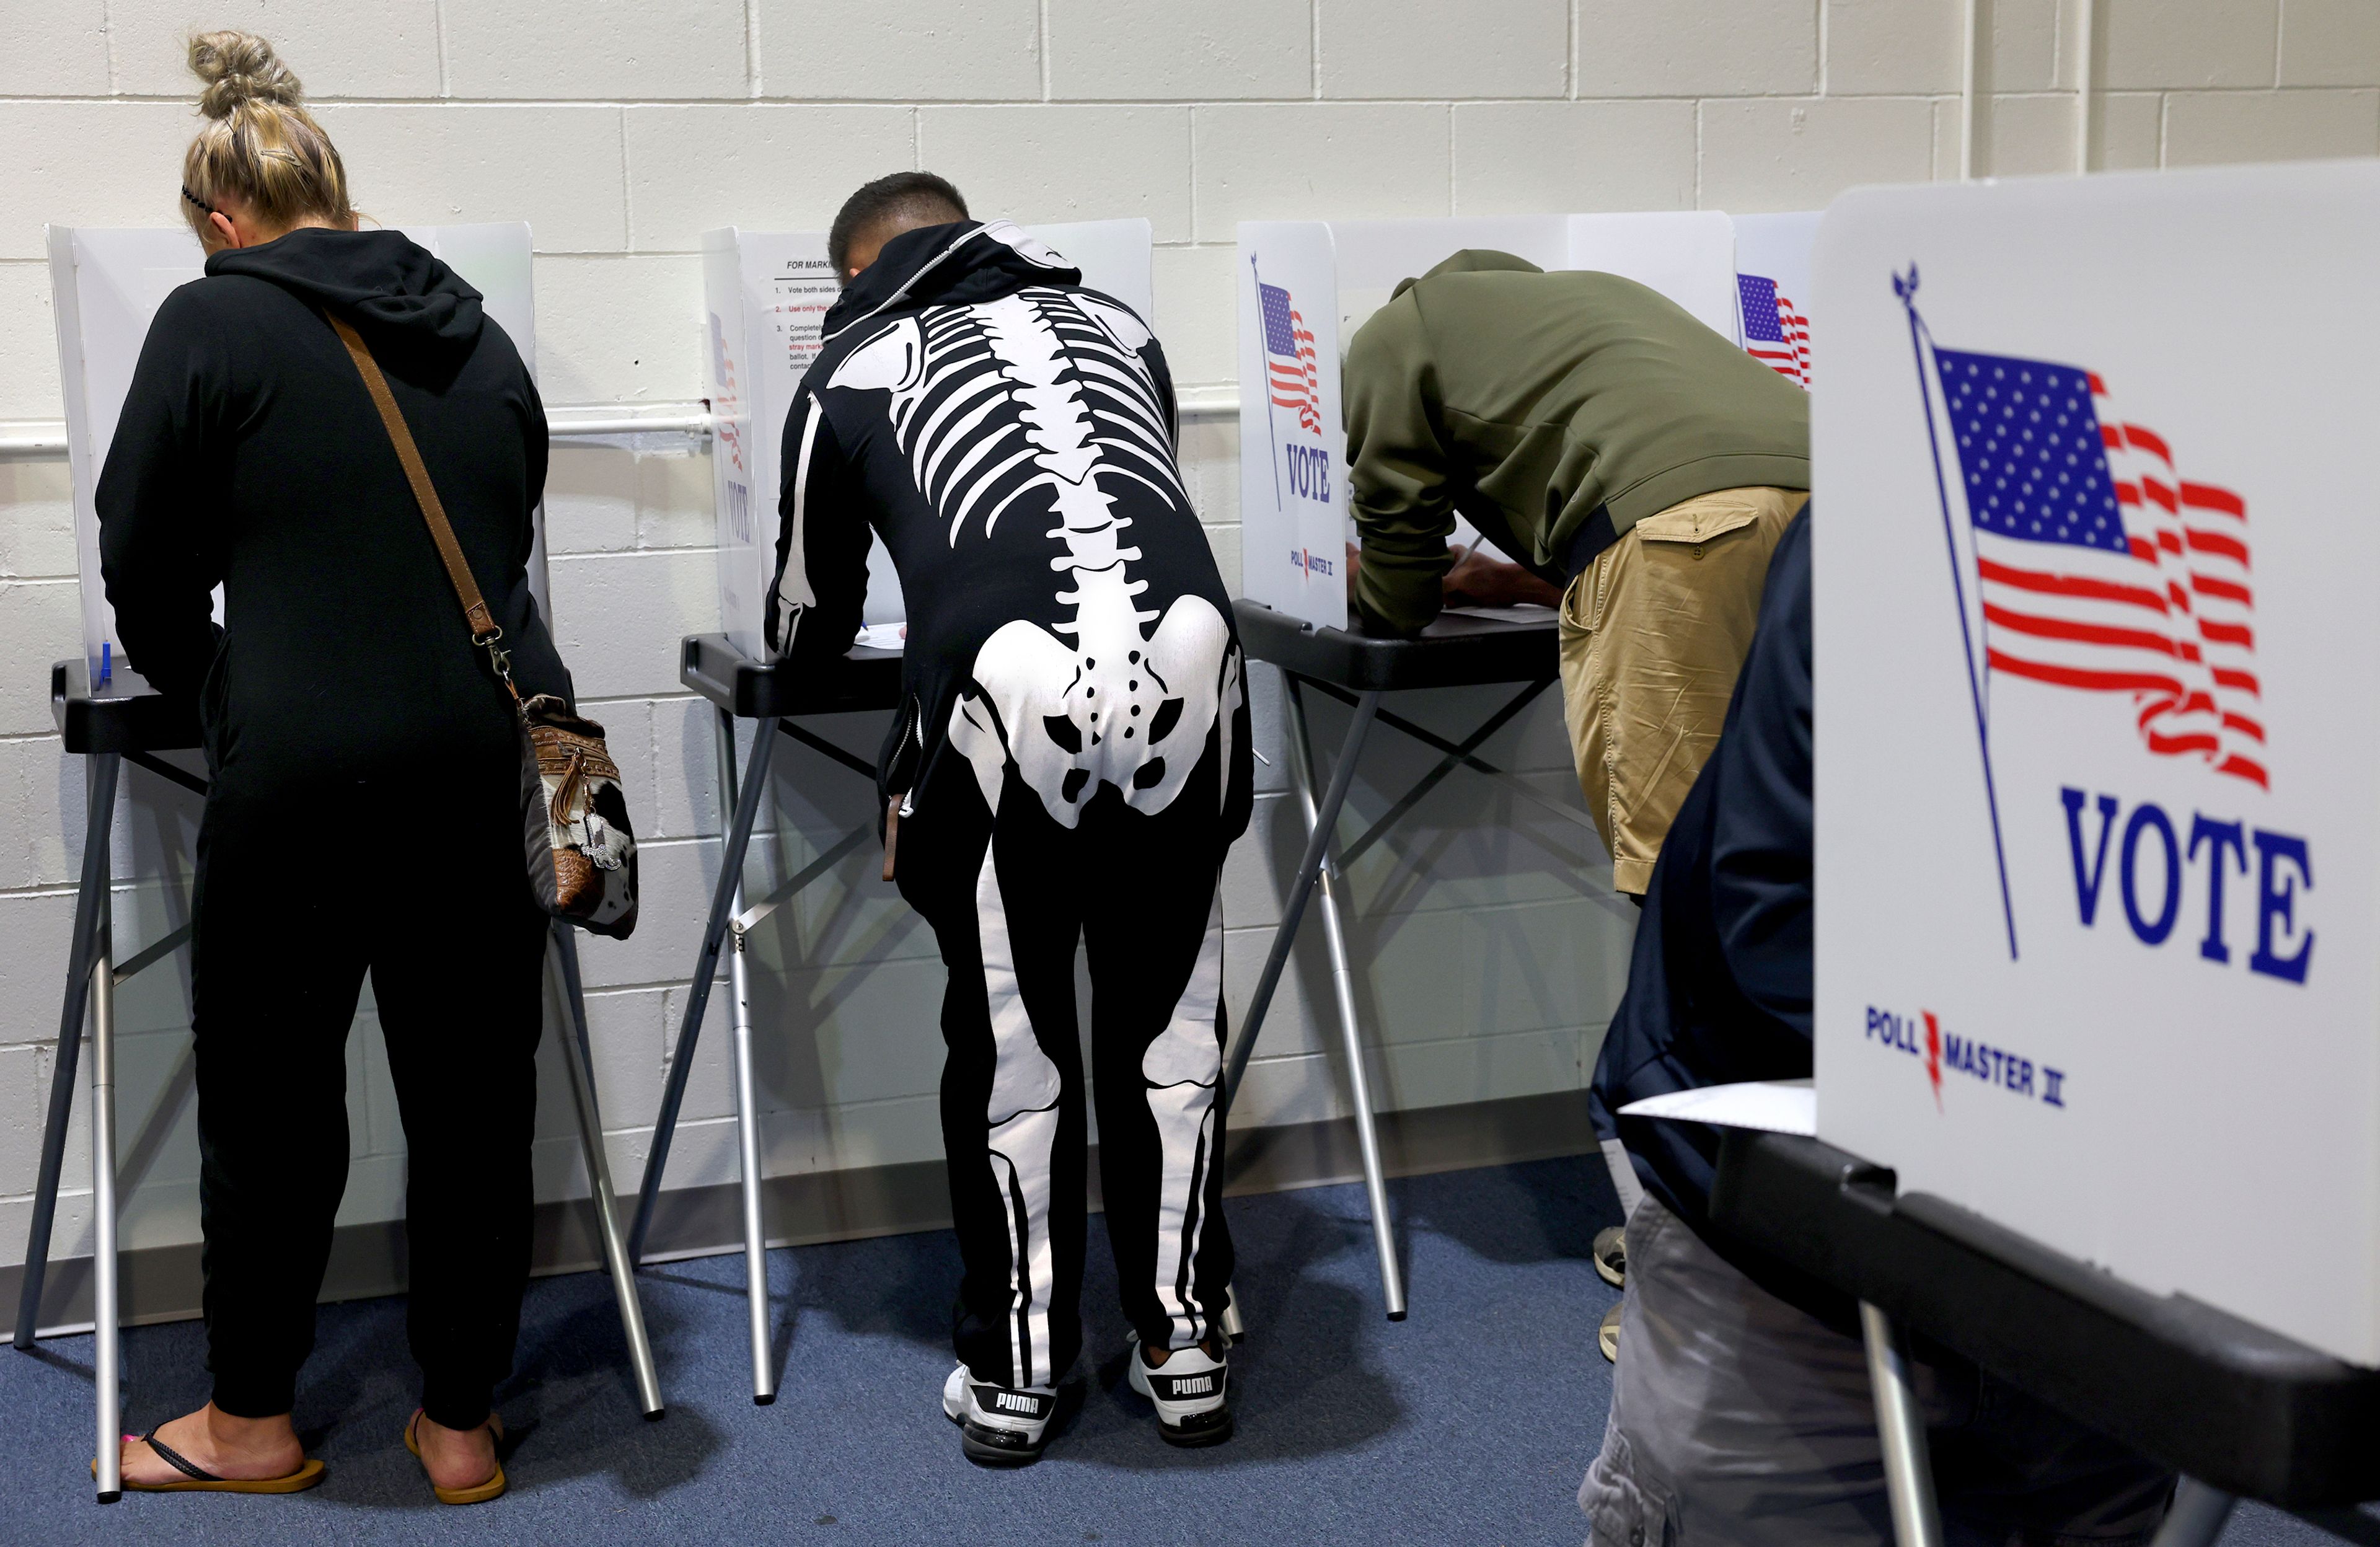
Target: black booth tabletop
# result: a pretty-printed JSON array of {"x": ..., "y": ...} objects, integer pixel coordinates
[
  {"x": 753, "y": 689},
  {"x": 115, "y": 720},
  {"x": 2237, "y": 1407},
  {"x": 1454, "y": 652}
]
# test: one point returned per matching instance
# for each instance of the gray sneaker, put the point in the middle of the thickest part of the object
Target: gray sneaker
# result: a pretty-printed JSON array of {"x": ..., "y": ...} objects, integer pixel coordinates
[{"x": 1610, "y": 1252}]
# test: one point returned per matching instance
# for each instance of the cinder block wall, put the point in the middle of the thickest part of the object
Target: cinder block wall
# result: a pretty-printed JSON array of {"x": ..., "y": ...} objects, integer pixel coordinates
[{"x": 1493, "y": 954}]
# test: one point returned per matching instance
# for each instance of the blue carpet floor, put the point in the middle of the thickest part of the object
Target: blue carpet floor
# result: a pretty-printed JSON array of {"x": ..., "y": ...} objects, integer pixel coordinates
[{"x": 1470, "y": 1423}]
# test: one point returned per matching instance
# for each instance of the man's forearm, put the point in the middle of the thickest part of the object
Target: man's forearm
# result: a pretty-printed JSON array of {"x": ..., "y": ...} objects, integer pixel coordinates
[{"x": 1399, "y": 593}]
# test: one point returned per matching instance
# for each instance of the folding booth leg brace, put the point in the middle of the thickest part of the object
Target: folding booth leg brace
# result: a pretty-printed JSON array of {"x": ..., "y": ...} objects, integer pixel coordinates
[
  {"x": 726, "y": 904},
  {"x": 1901, "y": 1427},
  {"x": 578, "y": 1058},
  {"x": 1313, "y": 869}
]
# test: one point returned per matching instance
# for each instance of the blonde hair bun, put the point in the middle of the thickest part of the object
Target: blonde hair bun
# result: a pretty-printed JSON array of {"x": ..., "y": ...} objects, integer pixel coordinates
[
  {"x": 241, "y": 70},
  {"x": 256, "y": 144}
]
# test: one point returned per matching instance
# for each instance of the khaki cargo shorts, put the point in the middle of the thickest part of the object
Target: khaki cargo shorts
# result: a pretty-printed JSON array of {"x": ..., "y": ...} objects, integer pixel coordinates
[{"x": 1652, "y": 637}]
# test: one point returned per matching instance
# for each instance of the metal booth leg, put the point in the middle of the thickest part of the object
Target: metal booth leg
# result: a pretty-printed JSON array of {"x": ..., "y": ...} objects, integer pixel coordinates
[
  {"x": 104, "y": 1312},
  {"x": 1310, "y": 869},
  {"x": 99, "y": 779},
  {"x": 724, "y": 904},
  {"x": 748, "y": 1103},
  {"x": 563, "y": 963},
  {"x": 1907, "y": 1473},
  {"x": 2197, "y": 1518},
  {"x": 1342, "y": 980}
]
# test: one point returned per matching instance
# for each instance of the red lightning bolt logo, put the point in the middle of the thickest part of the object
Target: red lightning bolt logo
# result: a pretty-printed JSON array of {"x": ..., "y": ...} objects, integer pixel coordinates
[{"x": 1934, "y": 1056}]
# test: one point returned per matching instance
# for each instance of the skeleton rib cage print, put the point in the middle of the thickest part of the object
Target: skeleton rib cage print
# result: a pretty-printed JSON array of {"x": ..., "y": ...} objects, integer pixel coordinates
[{"x": 1045, "y": 389}]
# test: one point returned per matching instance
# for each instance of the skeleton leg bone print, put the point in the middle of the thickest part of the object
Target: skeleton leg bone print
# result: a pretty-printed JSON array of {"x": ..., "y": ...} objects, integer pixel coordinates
[
  {"x": 1023, "y": 1114},
  {"x": 1182, "y": 1066}
]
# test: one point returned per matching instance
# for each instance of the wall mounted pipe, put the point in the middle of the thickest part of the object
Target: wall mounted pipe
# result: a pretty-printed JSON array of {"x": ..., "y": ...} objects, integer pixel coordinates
[
  {"x": 2083, "y": 102},
  {"x": 44, "y": 439},
  {"x": 1971, "y": 63}
]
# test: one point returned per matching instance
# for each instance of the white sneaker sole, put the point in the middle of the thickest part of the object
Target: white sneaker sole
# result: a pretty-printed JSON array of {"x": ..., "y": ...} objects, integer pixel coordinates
[{"x": 1187, "y": 1424}]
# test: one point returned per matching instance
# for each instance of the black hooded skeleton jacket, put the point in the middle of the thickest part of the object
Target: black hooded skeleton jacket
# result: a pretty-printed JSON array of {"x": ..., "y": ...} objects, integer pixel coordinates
[{"x": 1010, "y": 435}]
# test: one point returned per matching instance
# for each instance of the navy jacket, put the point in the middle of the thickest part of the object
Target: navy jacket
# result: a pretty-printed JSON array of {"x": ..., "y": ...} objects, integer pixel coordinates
[{"x": 1718, "y": 984}]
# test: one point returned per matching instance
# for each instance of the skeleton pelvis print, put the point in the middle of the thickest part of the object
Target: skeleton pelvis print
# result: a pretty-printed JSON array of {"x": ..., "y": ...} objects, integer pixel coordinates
[{"x": 992, "y": 404}]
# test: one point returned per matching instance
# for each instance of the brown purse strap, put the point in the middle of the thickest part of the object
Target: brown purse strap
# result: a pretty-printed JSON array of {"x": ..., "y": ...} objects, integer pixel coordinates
[{"x": 484, "y": 632}]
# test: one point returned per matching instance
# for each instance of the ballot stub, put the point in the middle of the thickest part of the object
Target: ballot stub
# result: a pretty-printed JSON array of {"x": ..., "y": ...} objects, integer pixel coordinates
[{"x": 2095, "y": 723}]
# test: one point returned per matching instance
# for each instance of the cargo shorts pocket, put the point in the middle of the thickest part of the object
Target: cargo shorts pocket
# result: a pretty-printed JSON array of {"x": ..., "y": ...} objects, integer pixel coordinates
[
  {"x": 1698, "y": 521},
  {"x": 1623, "y": 1508}
]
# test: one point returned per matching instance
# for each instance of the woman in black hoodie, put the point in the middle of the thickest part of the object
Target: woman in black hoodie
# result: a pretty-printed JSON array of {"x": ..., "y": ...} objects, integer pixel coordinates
[{"x": 363, "y": 810}]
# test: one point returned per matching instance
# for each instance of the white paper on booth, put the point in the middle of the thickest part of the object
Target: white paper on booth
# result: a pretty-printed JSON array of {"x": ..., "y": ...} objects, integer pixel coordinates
[
  {"x": 1771, "y": 1105},
  {"x": 767, "y": 296}
]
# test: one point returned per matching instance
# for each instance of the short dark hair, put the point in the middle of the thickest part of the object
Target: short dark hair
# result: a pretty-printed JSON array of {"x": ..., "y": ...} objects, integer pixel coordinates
[{"x": 911, "y": 199}]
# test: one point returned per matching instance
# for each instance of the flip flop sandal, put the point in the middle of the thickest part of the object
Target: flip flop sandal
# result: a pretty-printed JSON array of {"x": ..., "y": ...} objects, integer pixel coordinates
[
  {"x": 478, "y": 1493},
  {"x": 201, "y": 1481}
]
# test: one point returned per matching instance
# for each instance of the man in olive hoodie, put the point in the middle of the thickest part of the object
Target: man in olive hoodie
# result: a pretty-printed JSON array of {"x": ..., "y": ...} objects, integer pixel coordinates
[{"x": 1610, "y": 442}]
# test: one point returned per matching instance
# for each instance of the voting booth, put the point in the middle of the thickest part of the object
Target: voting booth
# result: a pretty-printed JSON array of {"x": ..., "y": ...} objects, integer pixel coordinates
[
  {"x": 767, "y": 295},
  {"x": 1305, "y": 287},
  {"x": 106, "y": 286},
  {"x": 2096, "y": 844}
]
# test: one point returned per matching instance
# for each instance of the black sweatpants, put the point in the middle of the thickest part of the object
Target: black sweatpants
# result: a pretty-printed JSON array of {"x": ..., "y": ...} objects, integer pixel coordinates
[
  {"x": 1009, "y": 894},
  {"x": 299, "y": 897}
]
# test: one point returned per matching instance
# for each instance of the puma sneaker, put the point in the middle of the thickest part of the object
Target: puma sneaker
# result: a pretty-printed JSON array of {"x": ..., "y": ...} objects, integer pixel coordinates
[
  {"x": 1193, "y": 1407},
  {"x": 999, "y": 1426}
]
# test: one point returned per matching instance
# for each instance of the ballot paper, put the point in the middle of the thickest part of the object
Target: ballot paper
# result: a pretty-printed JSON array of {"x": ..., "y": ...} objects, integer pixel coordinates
[
  {"x": 1520, "y": 611},
  {"x": 1770, "y": 1105},
  {"x": 883, "y": 636}
]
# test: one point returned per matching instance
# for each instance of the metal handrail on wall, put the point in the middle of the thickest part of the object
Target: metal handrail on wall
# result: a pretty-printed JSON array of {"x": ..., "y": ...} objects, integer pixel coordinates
[{"x": 45, "y": 438}]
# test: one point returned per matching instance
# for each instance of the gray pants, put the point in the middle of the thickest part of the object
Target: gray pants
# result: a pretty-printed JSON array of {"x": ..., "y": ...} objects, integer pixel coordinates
[{"x": 1737, "y": 1420}]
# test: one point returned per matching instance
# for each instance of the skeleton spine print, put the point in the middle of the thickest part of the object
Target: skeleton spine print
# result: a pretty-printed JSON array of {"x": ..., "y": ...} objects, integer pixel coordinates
[{"x": 1046, "y": 389}]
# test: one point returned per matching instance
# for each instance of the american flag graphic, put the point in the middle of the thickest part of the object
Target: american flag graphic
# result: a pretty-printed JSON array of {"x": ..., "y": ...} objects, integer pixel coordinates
[
  {"x": 1289, "y": 356},
  {"x": 2096, "y": 566},
  {"x": 1774, "y": 331}
]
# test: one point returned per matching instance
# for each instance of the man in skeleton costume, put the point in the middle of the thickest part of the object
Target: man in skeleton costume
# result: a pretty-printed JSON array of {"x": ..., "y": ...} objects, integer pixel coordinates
[{"x": 1070, "y": 764}]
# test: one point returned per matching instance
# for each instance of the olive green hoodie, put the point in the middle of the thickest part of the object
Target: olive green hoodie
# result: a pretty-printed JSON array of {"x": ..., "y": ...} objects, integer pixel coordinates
[{"x": 1535, "y": 403}]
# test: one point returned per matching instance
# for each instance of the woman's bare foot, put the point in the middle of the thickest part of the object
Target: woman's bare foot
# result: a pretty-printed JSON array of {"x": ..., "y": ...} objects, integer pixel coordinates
[
  {"x": 457, "y": 1457},
  {"x": 246, "y": 1450}
]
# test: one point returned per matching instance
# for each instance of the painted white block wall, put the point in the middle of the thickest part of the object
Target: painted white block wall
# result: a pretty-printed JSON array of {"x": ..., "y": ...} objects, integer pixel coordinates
[{"x": 621, "y": 132}]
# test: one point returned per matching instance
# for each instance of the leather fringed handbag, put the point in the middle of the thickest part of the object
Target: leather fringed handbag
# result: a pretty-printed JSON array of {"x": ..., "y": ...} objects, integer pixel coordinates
[{"x": 581, "y": 851}]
